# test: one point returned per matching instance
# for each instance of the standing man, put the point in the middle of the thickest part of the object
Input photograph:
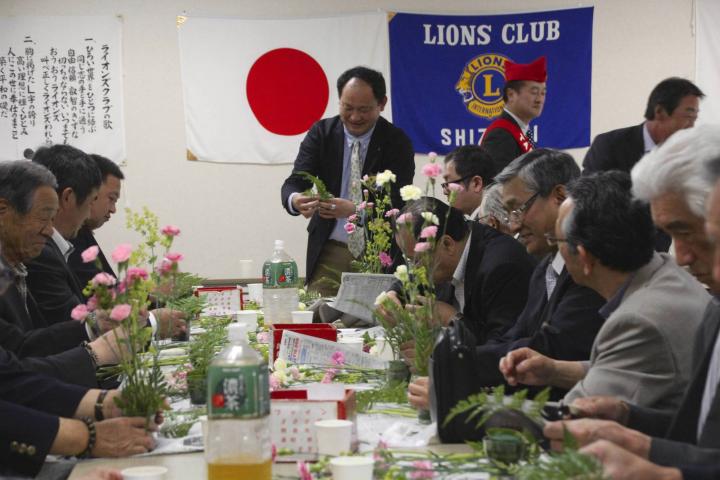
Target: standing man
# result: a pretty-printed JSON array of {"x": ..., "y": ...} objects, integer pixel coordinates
[
  {"x": 510, "y": 136},
  {"x": 100, "y": 212},
  {"x": 339, "y": 151}
]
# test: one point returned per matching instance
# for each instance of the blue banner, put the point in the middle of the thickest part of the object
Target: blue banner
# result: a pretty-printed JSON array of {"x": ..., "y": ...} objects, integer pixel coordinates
[{"x": 447, "y": 74}]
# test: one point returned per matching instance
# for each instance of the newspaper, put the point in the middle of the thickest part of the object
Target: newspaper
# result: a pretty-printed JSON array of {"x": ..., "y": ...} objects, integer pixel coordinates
[
  {"x": 302, "y": 349},
  {"x": 358, "y": 292}
]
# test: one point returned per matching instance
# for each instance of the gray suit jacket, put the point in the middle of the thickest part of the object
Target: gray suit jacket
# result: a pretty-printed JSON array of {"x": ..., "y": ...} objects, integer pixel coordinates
[{"x": 643, "y": 352}]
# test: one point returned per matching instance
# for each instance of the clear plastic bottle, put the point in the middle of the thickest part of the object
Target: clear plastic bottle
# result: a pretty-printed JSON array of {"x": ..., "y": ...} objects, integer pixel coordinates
[
  {"x": 238, "y": 429},
  {"x": 280, "y": 278}
]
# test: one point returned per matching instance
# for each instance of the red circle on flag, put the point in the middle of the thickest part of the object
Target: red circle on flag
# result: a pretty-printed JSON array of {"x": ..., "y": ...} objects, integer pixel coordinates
[{"x": 287, "y": 91}]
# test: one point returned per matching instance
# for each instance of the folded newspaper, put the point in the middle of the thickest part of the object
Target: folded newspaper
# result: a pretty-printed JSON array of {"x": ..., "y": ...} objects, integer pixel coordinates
[
  {"x": 303, "y": 349},
  {"x": 358, "y": 292}
]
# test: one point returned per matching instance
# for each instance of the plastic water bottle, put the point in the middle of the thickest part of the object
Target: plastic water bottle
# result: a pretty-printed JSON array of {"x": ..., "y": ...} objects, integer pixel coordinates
[
  {"x": 280, "y": 295},
  {"x": 238, "y": 431}
]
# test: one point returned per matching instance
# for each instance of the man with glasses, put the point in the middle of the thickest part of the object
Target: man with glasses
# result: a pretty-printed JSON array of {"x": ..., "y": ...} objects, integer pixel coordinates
[
  {"x": 339, "y": 151},
  {"x": 652, "y": 306}
]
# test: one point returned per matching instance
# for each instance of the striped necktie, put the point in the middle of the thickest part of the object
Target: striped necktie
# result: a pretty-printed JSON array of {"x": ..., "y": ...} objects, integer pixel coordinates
[{"x": 356, "y": 240}]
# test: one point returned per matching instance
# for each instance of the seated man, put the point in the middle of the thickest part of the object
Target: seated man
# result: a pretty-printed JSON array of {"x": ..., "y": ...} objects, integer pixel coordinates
[
  {"x": 676, "y": 182},
  {"x": 471, "y": 168},
  {"x": 492, "y": 211},
  {"x": 42, "y": 416},
  {"x": 100, "y": 212},
  {"x": 641, "y": 353}
]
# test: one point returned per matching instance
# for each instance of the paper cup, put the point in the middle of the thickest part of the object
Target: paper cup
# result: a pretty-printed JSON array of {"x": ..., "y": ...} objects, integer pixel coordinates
[
  {"x": 333, "y": 436},
  {"x": 352, "y": 468},
  {"x": 302, "y": 316},
  {"x": 247, "y": 269},
  {"x": 356, "y": 343},
  {"x": 255, "y": 292},
  {"x": 147, "y": 472},
  {"x": 247, "y": 317}
]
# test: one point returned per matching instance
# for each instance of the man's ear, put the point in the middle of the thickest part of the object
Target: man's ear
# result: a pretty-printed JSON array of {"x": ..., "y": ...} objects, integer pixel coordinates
[
  {"x": 587, "y": 260},
  {"x": 66, "y": 198},
  {"x": 559, "y": 194},
  {"x": 476, "y": 184},
  {"x": 660, "y": 113},
  {"x": 382, "y": 103},
  {"x": 449, "y": 244}
]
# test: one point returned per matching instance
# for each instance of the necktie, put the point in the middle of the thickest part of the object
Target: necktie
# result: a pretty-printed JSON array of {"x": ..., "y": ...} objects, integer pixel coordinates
[
  {"x": 356, "y": 240},
  {"x": 21, "y": 286},
  {"x": 550, "y": 280},
  {"x": 530, "y": 138}
]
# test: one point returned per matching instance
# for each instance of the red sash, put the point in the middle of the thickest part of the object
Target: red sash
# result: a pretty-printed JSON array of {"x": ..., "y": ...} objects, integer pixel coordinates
[{"x": 520, "y": 138}]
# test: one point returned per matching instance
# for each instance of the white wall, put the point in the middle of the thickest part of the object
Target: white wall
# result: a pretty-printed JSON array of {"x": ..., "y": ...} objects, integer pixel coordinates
[{"x": 232, "y": 212}]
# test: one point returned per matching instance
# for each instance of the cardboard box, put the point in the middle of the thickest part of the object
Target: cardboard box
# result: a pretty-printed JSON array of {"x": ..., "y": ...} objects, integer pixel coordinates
[
  {"x": 293, "y": 416},
  {"x": 318, "y": 330}
]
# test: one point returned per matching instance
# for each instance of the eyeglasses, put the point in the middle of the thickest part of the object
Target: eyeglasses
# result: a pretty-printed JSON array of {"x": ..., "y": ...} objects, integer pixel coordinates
[
  {"x": 552, "y": 240},
  {"x": 516, "y": 216},
  {"x": 445, "y": 185}
]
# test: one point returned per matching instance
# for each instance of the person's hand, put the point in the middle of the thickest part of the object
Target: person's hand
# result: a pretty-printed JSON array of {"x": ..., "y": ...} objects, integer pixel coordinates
[
  {"x": 386, "y": 312},
  {"x": 111, "y": 410},
  {"x": 170, "y": 323},
  {"x": 102, "y": 474},
  {"x": 110, "y": 347},
  {"x": 122, "y": 437},
  {"x": 619, "y": 464},
  {"x": 444, "y": 312},
  {"x": 586, "y": 430},
  {"x": 527, "y": 366},
  {"x": 419, "y": 393},
  {"x": 336, "y": 208},
  {"x": 606, "y": 408},
  {"x": 407, "y": 352},
  {"x": 305, "y": 205}
]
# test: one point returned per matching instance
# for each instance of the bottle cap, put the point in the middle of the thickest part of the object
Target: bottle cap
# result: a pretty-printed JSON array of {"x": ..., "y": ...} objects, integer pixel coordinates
[
  {"x": 279, "y": 244},
  {"x": 237, "y": 332}
]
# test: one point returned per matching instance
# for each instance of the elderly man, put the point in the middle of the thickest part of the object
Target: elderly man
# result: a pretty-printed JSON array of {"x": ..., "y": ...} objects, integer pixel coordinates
[
  {"x": 492, "y": 210},
  {"x": 641, "y": 353},
  {"x": 340, "y": 150},
  {"x": 510, "y": 135},
  {"x": 100, "y": 212},
  {"x": 680, "y": 173},
  {"x": 472, "y": 168}
]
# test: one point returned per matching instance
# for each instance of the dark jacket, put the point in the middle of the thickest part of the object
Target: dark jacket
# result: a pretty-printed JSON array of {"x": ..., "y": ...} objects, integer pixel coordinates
[
  {"x": 84, "y": 272},
  {"x": 501, "y": 145}
]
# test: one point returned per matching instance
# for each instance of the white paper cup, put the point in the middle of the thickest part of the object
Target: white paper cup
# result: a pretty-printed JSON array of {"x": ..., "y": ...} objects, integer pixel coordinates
[
  {"x": 147, "y": 472},
  {"x": 247, "y": 269},
  {"x": 333, "y": 436},
  {"x": 352, "y": 468},
  {"x": 356, "y": 343},
  {"x": 255, "y": 292},
  {"x": 247, "y": 317},
  {"x": 302, "y": 316}
]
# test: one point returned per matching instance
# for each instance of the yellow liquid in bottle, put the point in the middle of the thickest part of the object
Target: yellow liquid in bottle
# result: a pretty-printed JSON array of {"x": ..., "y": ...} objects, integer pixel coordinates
[{"x": 239, "y": 468}]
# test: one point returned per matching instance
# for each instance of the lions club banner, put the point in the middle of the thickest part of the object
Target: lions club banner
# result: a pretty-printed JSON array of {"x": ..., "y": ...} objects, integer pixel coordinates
[
  {"x": 253, "y": 88},
  {"x": 448, "y": 74}
]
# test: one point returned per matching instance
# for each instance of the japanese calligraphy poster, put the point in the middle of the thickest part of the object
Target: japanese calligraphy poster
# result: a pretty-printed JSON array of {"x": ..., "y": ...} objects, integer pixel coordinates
[
  {"x": 61, "y": 82},
  {"x": 448, "y": 74},
  {"x": 253, "y": 88},
  {"x": 707, "y": 59}
]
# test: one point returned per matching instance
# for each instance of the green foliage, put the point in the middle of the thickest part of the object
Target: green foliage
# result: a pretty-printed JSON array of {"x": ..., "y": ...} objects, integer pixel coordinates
[
  {"x": 191, "y": 305},
  {"x": 178, "y": 424},
  {"x": 378, "y": 229},
  {"x": 318, "y": 185},
  {"x": 569, "y": 464},
  {"x": 144, "y": 392},
  {"x": 388, "y": 393},
  {"x": 204, "y": 346},
  {"x": 147, "y": 225}
]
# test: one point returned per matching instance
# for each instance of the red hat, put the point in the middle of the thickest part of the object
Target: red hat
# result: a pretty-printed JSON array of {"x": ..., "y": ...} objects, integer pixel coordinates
[{"x": 535, "y": 71}]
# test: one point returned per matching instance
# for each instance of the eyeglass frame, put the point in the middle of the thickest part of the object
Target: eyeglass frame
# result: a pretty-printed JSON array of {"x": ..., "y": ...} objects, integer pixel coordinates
[
  {"x": 516, "y": 215},
  {"x": 445, "y": 185},
  {"x": 552, "y": 240}
]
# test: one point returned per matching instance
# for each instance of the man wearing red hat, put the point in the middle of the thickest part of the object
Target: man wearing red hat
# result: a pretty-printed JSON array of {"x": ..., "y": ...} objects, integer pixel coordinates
[{"x": 510, "y": 135}]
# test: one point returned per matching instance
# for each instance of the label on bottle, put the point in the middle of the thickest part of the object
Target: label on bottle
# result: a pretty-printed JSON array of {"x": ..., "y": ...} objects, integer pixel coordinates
[
  {"x": 238, "y": 391},
  {"x": 279, "y": 275}
]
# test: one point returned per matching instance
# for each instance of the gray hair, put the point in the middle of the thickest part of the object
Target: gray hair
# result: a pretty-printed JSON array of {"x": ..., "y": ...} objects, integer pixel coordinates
[
  {"x": 492, "y": 202},
  {"x": 19, "y": 179},
  {"x": 541, "y": 170},
  {"x": 678, "y": 166}
]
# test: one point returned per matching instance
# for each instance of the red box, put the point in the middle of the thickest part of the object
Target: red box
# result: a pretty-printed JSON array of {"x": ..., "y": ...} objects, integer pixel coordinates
[
  {"x": 293, "y": 417},
  {"x": 318, "y": 330}
]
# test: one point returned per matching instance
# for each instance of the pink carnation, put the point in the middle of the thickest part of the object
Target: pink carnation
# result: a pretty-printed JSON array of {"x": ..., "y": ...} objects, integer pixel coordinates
[
  {"x": 274, "y": 383},
  {"x": 350, "y": 228},
  {"x": 122, "y": 253},
  {"x": 352, "y": 218},
  {"x": 174, "y": 257},
  {"x": 170, "y": 231},
  {"x": 422, "y": 247},
  {"x": 92, "y": 303},
  {"x": 385, "y": 259},
  {"x": 90, "y": 254},
  {"x": 361, "y": 205},
  {"x": 370, "y": 205},
  {"x": 120, "y": 312},
  {"x": 392, "y": 213},
  {"x": 79, "y": 312},
  {"x": 429, "y": 232},
  {"x": 165, "y": 266},
  {"x": 329, "y": 375},
  {"x": 404, "y": 218},
  {"x": 432, "y": 156},
  {"x": 136, "y": 273},
  {"x": 455, "y": 187},
  {"x": 432, "y": 170},
  {"x": 338, "y": 358},
  {"x": 424, "y": 469},
  {"x": 103, "y": 278},
  {"x": 304, "y": 471},
  {"x": 263, "y": 337}
]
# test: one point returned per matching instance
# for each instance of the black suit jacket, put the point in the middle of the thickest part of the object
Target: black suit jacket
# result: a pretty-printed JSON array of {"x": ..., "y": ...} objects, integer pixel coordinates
[
  {"x": 497, "y": 274},
  {"x": 677, "y": 441},
  {"x": 84, "y": 272},
  {"x": 52, "y": 283},
  {"x": 321, "y": 154},
  {"x": 563, "y": 327},
  {"x": 501, "y": 145},
  {"x": 30, "y": 405},
  {"x": 615, "y": 150}
]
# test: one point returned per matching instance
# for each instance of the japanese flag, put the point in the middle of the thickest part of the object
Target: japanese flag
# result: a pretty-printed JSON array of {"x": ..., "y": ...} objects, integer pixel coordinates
[{"x": 253, "y": 88}]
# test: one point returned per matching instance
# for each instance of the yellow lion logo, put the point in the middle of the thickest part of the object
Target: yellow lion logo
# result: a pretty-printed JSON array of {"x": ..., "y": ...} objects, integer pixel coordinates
[{"x": 480, "y": 85}]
